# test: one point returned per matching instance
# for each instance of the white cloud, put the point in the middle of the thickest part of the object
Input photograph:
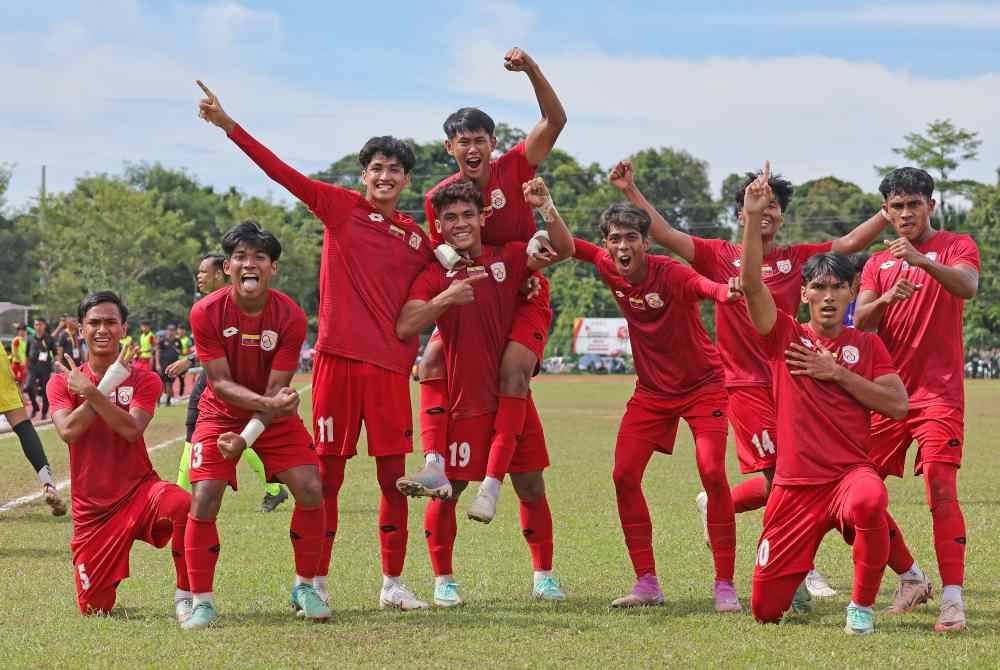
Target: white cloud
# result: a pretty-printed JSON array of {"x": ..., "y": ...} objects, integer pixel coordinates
[{"x": 937, "y": 16}]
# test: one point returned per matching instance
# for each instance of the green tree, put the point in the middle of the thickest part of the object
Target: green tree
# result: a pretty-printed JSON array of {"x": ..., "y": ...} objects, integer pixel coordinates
[
  {"x": 940, "y": 150},
  {"x": 825, "y": 208},
  {"x": 982, "y": 315}
]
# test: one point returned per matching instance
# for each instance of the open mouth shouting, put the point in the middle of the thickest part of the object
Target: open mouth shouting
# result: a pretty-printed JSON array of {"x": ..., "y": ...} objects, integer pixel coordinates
[
  {"x": 249, "y": 281},
  {"x": 624, "y": 262}
]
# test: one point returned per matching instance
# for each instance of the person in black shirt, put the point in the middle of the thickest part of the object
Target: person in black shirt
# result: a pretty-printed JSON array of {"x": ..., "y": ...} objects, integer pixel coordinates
[
  {"x": 41, "y": 355},
  {"x": 168, "y": 351},
  {"x": 70, "y": 342}
]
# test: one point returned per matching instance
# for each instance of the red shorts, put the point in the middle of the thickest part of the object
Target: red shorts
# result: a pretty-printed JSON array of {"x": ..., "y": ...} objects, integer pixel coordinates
[
  {"x": 20, "y": 372},
  {"x": 347, "y": 392},
  {"x": 532, "y": 320},
  {"x": 938, "y": 430},
  {"x": 654, "y": 418},
  {"x": 797, "y": 518},
  {"x": 101, "y": 560},
  {"x": 755, "y": 427},
  {"x": 469, "y": 447},
  {"x": 143, "y": 363},
  {"x": 282, "y": 446}
]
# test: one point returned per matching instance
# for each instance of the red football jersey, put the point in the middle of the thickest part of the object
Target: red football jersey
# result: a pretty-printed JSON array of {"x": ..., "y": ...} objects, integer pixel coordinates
[
  {"x": 105, "y": 468},
  {"x": 367, "y": 265},
  {"x": 744, "y": 362},
  {"x": 823, "y": 431},
  {"x": 672, "y": 352},
  {"x": 475, "y": 335},
  {"x": 252, "y": 345},
  {"x": 508, "y": 217},
  {"x": 924, "y": 333}
]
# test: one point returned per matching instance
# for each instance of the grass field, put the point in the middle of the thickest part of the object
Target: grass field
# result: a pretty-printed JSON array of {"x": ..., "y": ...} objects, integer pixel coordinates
[{"x": 501, "y": 626}]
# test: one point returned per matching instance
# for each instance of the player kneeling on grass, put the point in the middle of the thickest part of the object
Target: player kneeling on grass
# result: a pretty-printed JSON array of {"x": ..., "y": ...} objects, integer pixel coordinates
[
  {"x": 828, "y": 379},
  {"x": 474, "y": 307},
  {"x": 249, "y": 339},
  {"x": 101, "y": 410}
]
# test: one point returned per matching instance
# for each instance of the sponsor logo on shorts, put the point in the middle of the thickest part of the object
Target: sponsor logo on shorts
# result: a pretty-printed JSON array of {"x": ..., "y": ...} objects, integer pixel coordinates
[
  {"x": 763, "y": 552},
  {"x": 268, "y": 340},
  {"x": 717, "y": 413},
  {"x": 654, "y": 300},
  {"x": 251, "y": 340},
  {"x": 375, "y": 216},
  {"x": 887, "y": 265},
  {"x": 497, "y": 199},
  {"x": 850, "y": 354},
  {"x": 538, "y": 336},
  {"x": 954, "y": 442},
  {"x": 125, "y": 394},
  {"x": 229, "y": 332},
  {"x": 499, "y": 271},
  {"x": 784, "y": 266},
  {"x": 414, "y": 241}
]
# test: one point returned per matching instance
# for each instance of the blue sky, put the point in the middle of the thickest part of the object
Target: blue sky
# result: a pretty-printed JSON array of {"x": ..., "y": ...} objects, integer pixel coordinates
[{"x": 819, "y": 88}]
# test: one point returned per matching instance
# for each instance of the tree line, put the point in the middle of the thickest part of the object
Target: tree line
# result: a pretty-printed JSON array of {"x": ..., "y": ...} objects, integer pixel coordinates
[{"x": 143, "y": 231}]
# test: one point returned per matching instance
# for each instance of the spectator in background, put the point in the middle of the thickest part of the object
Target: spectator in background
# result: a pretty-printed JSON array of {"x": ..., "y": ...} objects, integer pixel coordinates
[
  {"x": 185, "y": 342},
  {"x": 41, "y": 353},
  {"x": 19, "y": 355},
  {"x": 70, "y": 342},
  {"x": 168, "y": 352},
  {"x": 147, "y": 347}
]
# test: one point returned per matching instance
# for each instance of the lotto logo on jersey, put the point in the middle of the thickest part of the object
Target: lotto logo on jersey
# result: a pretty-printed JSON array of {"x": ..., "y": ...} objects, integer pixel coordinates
[
  {"x": 499, "y": 271},
  {"x": 414, "y": 241},
  {"x": 887, "y": 265},
  {"x": 249, "y": 340},
  {"x": 850, "y": 354},
  {"x": 807, "y": 343},
  {"x": 229, "y": 332},
  {"x": 654, "y": 300},
  {"x": 619, "y": 294},
  {"x": 268, "y": 340},
  {"x": 125, "y": 394},
  {"x": 497, "y": 199},
  {"x": 784, "y": 266},
  {"x": 375, "y": 216}
]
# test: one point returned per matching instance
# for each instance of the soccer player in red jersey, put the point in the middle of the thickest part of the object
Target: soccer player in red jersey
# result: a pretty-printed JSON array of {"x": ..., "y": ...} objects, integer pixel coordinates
[
  {"x": 913, "y": 294},
  {"x": 249, "y": 336},
  {"x": 509, "y": 218},
  {"x": 101, "y": 410},
  {"x": 679, "y": 375},
  {"x": 474, "y": 306},
  {"x": 747, "y": 375},
  {"x": 827, "y": 380},
  {"x": 371, "y": 254}
]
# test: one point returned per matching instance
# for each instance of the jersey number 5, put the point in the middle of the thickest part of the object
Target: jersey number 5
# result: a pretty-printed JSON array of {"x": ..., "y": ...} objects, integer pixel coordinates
[{"x": 84, "y": 577}]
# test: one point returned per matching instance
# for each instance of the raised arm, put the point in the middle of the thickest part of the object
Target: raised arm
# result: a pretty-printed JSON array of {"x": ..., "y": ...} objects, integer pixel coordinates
[
  {"x": 862, "y": 235},
  {"x": 543, "y": 136},
  {"x": 677, "y": 241},
  {"x": 760, "y": 303},
  {"x": 71, "y": 424},
  {"x": 309, "y": 191},
  {"x": 418, "y": 315},
  {"x": 537, "y": 195}
]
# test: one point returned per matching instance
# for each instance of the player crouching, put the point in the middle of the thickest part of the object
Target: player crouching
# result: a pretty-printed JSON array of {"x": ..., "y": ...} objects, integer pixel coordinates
[
  {"x": 249, "y": 337},
  {"x": 828, "y": 379},
  {"x": 117, "y": 496}
]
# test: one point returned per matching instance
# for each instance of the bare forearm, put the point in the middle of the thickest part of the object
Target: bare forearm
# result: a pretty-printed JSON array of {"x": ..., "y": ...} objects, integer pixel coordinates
[
  {"x": 239, "y": 396},
  {"x": 660, "y": 229},
  {"x": 548, "y": 102},
  {"x": 862, "y": 235},
  {"x": 869, "y": 315},
  {"x": 417, "y": 317},
  {"x": 560, "y": 237},
  {"x": 886, "y": 399},
  {"x": 76, "y": 424},
  {"x": 959, "y": 281},
  {"x": 117, "y": 419}
]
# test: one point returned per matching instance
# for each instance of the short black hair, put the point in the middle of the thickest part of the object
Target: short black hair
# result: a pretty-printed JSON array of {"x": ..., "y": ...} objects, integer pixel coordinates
[
  {"x": 624, "y": 215},
  {"x": 145, "y": 322},
  {"x": 19, "y": 326},
  {"x": 100, "y": 297},
  {"x": 251, "y": 234},
  {"x": 858, "y": 260},
  {"x": 462, "y": 190},
  {"x": 781, "y": 187},
  {"x": 41, "y": 320},
  {"x": 468, "y": 120},
  {"x": 907, "y": 180},
  {"x": 390, "y": 147},
  {"x": 218, "y": 260},
  {"x": 829, "y": 263}
]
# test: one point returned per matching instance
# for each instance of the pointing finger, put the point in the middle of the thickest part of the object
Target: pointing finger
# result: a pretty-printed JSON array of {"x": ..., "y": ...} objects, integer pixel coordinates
[
  {"x": 767, "y": 171},
  {"x": 69, "y": 360},
  {"x": 205, "y": 88}
]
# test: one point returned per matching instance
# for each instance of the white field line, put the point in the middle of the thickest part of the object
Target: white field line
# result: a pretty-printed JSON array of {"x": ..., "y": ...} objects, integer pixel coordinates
[{"x": 24, "y": 500}]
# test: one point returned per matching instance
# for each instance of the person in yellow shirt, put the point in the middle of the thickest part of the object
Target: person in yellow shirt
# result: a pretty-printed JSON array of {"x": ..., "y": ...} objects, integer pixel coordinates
[
  {"x": 147, "y": 345},
  {"x": 19, "y": 354}
]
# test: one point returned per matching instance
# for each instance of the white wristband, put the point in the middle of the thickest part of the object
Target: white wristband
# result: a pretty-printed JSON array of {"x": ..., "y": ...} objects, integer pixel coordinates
[
  {"x": 446, "y": 256},
  {"x": 534, "y": 246},
  {"x": 252, "y": 431},
  {"x": 114, "y": 376}
]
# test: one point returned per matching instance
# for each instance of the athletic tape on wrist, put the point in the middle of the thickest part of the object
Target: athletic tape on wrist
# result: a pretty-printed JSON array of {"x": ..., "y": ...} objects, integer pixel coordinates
[
  {"x": 534, "y": 246},
  {"x": 252, "y": 431},
  {"x": 446, "y": 256},
  {"x": 113, "y": 376}
]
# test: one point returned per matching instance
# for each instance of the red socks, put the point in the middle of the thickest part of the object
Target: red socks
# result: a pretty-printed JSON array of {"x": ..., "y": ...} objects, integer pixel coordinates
[
  {"x": 434, "y": 405},
  {"x": 201, "y": 552},
  {"x": 536, "y": 525},
  {"x": 331, "y": 471},
  {"x": 940, "y": 482},
  {"x": 710, "y": 454},
  {"x": 440, "y": 529},
  {"x": 750, "y": 494},
  {"x": 177, "y": 552},
  {"x": 392, "y": 514},
  {"x": 900, "y": 559},
  {"x": 306, "y": 532},
  {"x": 507, "y": 427}
]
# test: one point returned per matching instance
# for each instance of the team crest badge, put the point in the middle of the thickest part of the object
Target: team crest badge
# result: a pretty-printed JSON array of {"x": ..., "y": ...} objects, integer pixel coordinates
[
  {"x": 850, "y": 354},
  {"x": 887, "y": 265},
  {"x": 229, "y": 332},
  {"x": 125, "y": 394},
  {"x": 375, "y": 216},
  {"x": 654, "y": 300},
  {"x": 498, "y": 199},
  {"x": 268, "y": 340},
  {"x": 784, "y": 266},
  {"x": 414, "y": 241},
  {"x": 499, "y": 271}
]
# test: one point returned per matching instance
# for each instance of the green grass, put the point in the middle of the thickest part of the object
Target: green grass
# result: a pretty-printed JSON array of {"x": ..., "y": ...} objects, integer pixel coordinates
[{"x": 501, "y": 626}]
